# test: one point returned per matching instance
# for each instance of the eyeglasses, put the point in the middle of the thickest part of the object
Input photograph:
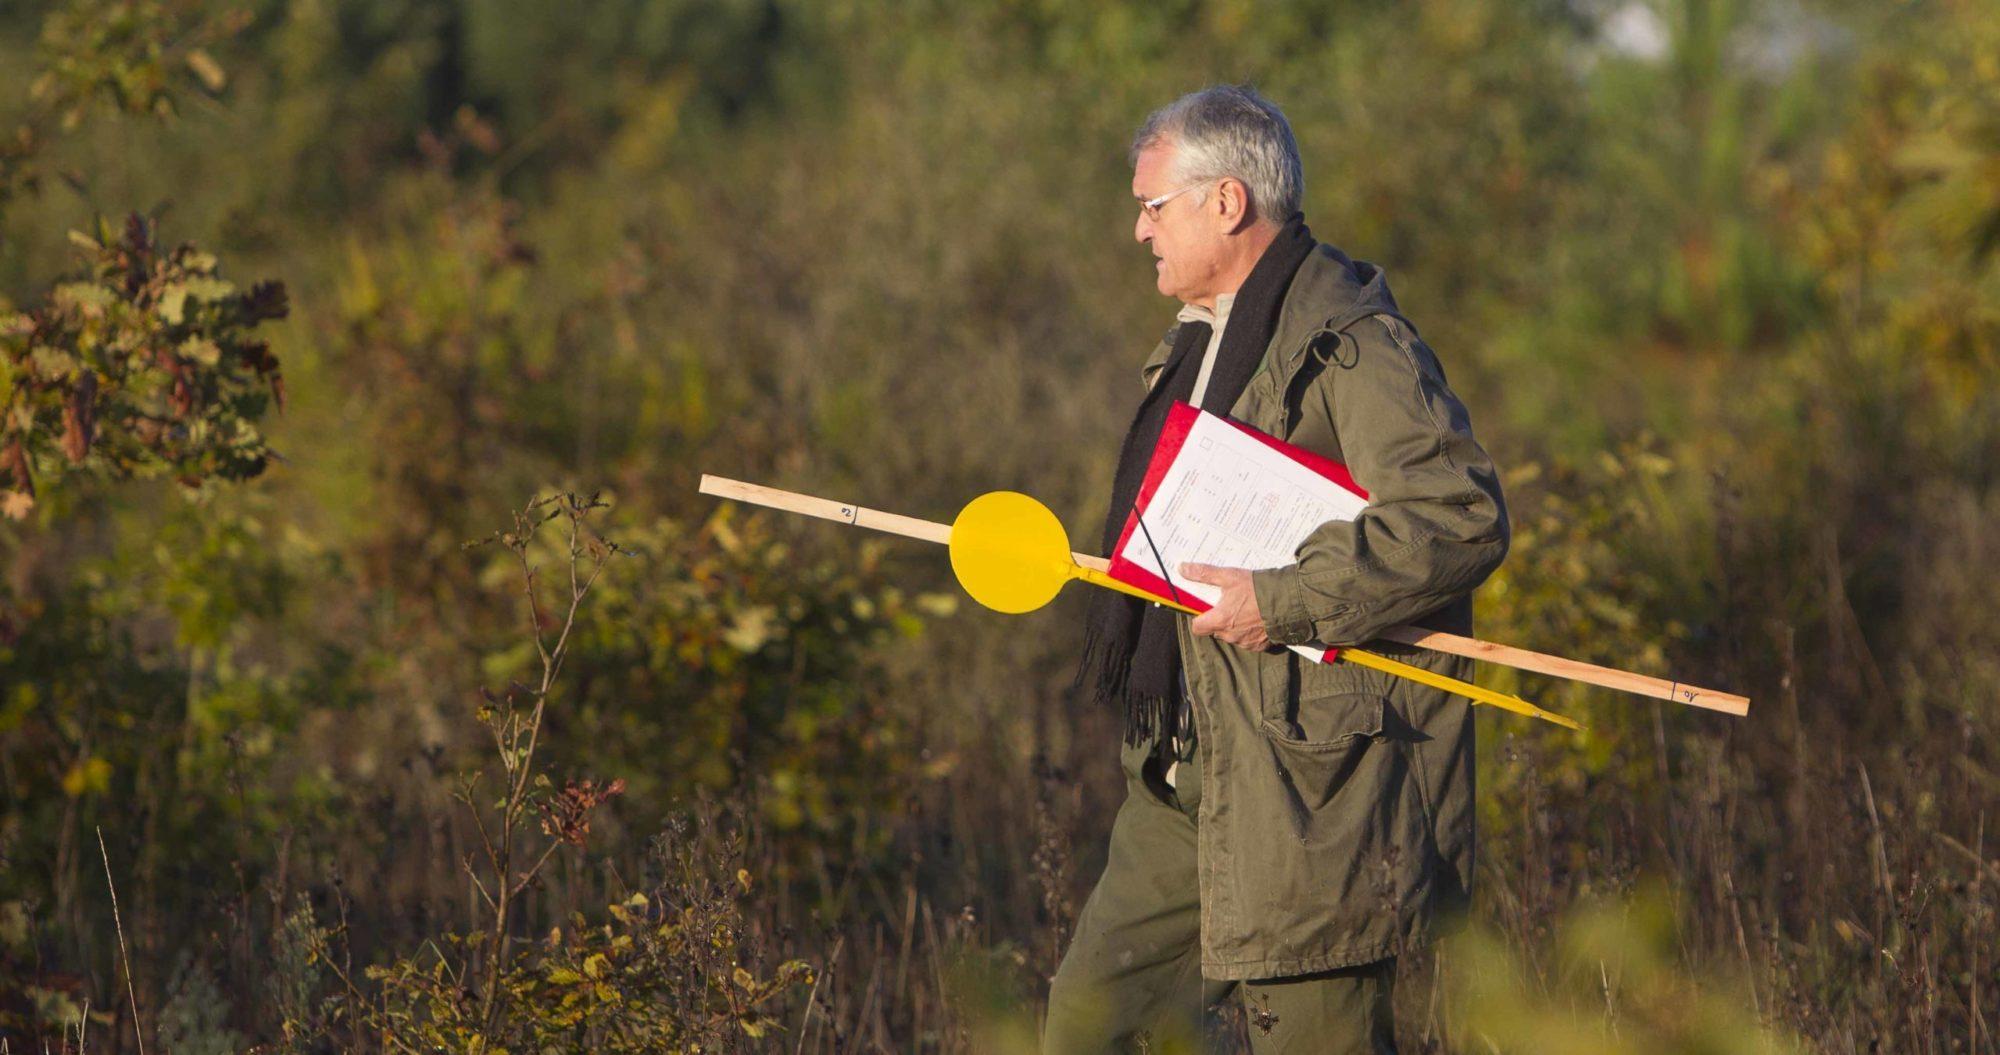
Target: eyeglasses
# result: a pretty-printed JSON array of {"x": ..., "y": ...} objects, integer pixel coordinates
[{"x": 1151, "y": 206}]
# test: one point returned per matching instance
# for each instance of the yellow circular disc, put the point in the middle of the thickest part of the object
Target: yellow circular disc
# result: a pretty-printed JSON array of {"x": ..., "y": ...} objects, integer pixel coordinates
[{"x": 1009, "y": 552}]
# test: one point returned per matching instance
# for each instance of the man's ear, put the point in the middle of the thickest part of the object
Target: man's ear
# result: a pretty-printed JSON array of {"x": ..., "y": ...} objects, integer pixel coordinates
[{"x": 1233, "y": 205}]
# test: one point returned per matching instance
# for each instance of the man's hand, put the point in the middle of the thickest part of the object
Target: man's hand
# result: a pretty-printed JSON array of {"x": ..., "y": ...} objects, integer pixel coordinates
[{"x": 1235, "y": 618}]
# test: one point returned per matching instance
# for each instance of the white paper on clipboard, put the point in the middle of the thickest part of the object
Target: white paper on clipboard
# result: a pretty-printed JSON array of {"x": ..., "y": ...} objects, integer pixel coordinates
[{"x": 1230, "y": 496}]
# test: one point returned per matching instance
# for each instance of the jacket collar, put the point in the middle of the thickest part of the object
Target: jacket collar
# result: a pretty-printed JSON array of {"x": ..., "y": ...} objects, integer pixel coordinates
[{"x": 1331, "y": 292}]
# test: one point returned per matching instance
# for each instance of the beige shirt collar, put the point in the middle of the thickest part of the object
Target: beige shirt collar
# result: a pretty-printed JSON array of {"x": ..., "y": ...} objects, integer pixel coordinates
[
  {"x": 1217, "y": 321},
  {"x": 1217, "y": 318}
]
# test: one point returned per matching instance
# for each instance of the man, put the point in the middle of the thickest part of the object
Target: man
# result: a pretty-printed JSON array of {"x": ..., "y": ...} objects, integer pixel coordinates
[{"x": 1288, "y": 827}]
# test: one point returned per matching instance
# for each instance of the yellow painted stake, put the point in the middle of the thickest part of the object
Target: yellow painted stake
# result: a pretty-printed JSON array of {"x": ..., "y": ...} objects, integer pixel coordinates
[
  {"x": 1453, "y": 685},
  {"x": 1012, "y": 555}
]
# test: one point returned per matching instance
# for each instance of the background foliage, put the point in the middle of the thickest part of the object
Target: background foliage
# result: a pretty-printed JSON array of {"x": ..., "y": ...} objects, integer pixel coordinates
[{"x": 1716, "y": 277}]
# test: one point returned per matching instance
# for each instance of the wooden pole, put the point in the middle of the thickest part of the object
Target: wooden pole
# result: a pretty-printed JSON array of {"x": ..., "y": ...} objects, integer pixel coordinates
[
  {"x": 1434, "y": 640},
  {"x": 1573, "y": 669},
  {"x": 826, "y": 509}
]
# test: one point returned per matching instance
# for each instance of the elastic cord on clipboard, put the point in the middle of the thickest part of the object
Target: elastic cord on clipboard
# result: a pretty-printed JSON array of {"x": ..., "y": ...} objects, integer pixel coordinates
[
  {"x": 1176, "y": 743},
  {"x": 1157, "y": 559}
]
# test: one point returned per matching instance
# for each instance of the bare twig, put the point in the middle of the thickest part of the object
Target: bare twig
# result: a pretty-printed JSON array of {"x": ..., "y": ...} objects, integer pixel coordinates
[
  {"x": 472, "y": 874},
  {"x": 478, "y": 820},
  {"x": 1972, "y": 856}
]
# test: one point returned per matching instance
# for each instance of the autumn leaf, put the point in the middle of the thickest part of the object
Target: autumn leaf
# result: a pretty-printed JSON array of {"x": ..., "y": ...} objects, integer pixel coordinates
[
  {"x": 80, "y": 417},
  {"x": 207, "y": 69},
  {"x": 16, "y": 505}
]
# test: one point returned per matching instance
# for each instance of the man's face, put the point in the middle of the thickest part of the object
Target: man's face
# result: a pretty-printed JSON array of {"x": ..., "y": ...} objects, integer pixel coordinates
[{"x": 1186, "y": 237}]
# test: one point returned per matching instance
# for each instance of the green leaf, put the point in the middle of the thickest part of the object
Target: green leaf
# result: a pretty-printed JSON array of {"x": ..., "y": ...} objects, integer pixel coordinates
[
  {"x": 173, "y": 302},
  {"x": 754, "y": 626},
  {"x": 88, "y": 297},
  {"x": 89, "y": 776},
  {"x": 53, "y": 363},
  {"x": 201, "y": 350},
  {"x": 210, "y": 288}
]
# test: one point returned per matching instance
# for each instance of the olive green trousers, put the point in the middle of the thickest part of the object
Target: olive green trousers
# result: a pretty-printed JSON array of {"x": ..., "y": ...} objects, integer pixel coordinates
[{"x": 1133, "y": 969}]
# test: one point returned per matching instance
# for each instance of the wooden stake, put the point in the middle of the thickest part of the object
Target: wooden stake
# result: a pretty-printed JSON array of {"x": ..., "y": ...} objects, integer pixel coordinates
[
  {"x": 826, "y": 509},
  {"x": 1573, "y": 669},
  {"x": 1434, "y": 640}
]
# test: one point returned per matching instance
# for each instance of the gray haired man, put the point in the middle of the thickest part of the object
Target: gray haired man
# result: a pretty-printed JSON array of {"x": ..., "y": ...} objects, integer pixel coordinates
[{"x": 1289, "y": 828}]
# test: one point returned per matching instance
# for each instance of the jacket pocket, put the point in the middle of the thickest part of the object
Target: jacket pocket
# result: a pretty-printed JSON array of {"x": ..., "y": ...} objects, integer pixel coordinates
[
  {"x": 1303, "y": 700},
  {"x": 1329, "y": 720},
  {"x": 1325, "y": 746},
  {"x": 1346, "y": 769}
]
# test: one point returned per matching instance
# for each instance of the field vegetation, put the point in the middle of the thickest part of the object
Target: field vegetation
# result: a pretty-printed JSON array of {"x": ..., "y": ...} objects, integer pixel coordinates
[{"x": 363, "y": 635}]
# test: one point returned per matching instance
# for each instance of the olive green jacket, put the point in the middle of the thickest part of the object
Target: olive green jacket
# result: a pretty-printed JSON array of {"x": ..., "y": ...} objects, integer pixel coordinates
[{"x": 1336, "y": 818}]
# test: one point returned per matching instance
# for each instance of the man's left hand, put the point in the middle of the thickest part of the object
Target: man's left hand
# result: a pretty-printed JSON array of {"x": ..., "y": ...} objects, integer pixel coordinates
[{"x": 1235, "y": 618}]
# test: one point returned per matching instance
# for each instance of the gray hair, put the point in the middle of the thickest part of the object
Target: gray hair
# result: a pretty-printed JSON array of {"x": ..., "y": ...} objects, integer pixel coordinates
[{"x": 1228, "y": 130}]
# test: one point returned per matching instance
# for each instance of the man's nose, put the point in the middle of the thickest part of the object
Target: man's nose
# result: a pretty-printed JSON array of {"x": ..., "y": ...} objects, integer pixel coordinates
[{"x": 1142, "y": 228}]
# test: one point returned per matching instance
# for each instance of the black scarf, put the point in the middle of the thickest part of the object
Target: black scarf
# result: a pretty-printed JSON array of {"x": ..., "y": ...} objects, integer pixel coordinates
[{"x": 1131, "y": 653}]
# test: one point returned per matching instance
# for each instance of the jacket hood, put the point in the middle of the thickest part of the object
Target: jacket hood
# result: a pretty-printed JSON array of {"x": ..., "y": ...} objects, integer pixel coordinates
[{"x": 1337, "y": 291}]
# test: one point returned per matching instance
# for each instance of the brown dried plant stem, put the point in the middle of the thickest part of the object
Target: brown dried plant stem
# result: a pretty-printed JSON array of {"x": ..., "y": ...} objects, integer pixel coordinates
[
  {"x": 118, "y": 924},
  {"x": 517, "y": 736}
]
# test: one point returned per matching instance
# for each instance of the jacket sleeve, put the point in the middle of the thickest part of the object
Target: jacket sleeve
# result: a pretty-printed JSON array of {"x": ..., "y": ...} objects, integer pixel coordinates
[{"x": 1436, "y": 524}]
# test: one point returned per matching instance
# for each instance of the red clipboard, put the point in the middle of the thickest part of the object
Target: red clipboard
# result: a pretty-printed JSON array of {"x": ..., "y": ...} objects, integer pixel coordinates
[{"x": 1181, "y": 418}]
